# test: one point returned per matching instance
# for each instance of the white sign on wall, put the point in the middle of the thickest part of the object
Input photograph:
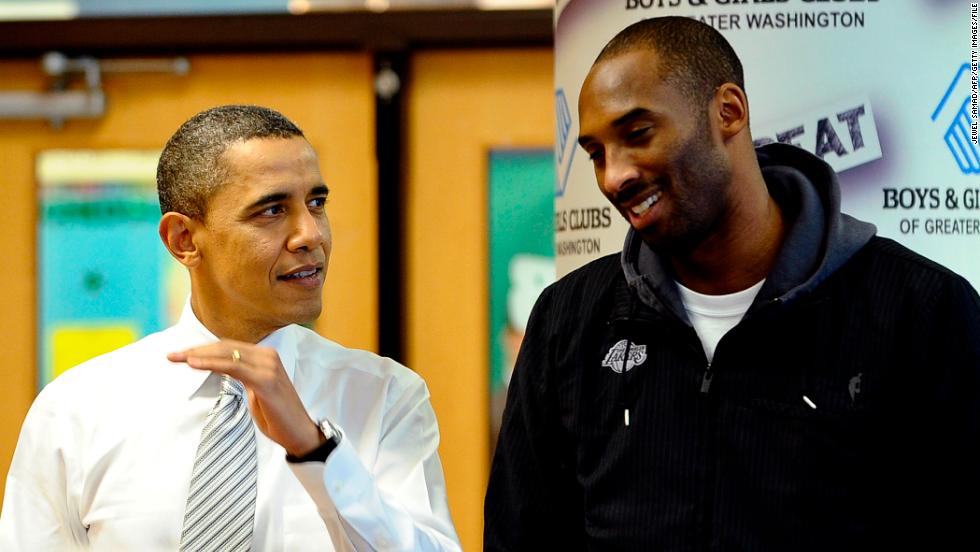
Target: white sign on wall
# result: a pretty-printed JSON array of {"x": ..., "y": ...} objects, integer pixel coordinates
[{"x": 882, "y": 90}]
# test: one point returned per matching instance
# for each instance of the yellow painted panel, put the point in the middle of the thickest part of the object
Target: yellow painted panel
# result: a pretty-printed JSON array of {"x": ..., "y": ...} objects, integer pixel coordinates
[{"x": 72, "y": 345}]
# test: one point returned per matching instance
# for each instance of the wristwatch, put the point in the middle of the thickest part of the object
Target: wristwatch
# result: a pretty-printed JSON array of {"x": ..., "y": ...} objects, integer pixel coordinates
[{"x": 320, "y": 453}]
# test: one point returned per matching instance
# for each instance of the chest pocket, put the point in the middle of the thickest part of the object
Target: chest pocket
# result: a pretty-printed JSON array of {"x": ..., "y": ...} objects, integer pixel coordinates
[{"x": 800, "y": 418}]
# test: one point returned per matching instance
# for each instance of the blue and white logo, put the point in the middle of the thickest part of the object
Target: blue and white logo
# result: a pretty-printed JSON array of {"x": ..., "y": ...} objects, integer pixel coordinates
[
  {"x": 564, "y": 146},
  {"x": 957, "y": 117}
]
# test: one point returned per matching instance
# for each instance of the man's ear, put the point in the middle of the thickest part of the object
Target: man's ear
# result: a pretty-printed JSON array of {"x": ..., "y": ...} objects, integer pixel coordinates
[
  {"x": 732, "y": 109},
  {"x": 177, "y": 232}
]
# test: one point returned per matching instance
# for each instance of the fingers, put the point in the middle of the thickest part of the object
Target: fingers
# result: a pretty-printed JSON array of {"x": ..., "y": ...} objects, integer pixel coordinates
[
  {"x": 276, "y": 408},
  {"x": 245, "y": 362},
  {"x": 215, "y": 364},
  {"x": 220, "y": 349}
]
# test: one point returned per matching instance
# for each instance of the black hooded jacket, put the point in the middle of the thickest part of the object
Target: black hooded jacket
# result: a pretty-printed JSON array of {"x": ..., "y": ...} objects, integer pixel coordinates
[{"x": 619, "y": 435}]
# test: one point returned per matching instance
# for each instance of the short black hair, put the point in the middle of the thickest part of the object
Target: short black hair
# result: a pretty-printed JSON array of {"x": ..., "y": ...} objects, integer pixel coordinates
[
  {"x": 693, "y": 55},
  {"x": 190, "y": 167}
]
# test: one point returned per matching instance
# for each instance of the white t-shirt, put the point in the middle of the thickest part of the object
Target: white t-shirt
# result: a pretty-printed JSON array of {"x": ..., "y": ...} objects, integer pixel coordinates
[{"x": 713, "y": 315}]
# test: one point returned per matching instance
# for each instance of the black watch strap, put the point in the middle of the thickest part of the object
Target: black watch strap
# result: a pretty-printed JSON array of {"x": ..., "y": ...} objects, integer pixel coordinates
[{"x": 320, "y": 453}]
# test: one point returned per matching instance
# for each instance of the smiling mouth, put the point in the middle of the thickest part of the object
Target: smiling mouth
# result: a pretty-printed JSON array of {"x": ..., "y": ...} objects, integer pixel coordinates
[
  {"x": 299, "y": 275},
  {"x": 646, "y": 204}
]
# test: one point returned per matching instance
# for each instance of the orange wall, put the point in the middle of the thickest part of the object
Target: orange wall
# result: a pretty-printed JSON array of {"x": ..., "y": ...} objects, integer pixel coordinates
[
  {"x": 329, "y": 95},
  {"x": 461, "y": 105}
]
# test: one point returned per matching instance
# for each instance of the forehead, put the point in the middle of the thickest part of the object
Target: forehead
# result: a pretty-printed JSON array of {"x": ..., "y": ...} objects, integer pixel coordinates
[
  {"x": 263, "y": 166},
  {"x": 625, "y": 82},
  {"x": 251, "y": 166},
  {"x": 269, "y": 155}
]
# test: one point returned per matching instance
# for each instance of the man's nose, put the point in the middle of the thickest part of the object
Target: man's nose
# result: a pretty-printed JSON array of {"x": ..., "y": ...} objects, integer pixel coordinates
[
  {"x": 620, "y": 171},
  {"x": 307, "y": 233}
]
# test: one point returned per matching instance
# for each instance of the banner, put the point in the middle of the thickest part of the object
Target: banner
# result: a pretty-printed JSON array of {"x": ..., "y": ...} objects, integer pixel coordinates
[{"x": 885, "y": 91}]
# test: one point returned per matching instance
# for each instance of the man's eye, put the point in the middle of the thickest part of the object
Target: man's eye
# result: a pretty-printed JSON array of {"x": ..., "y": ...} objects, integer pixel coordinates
[
  {"x": 317, "y": 202},
  {"x": 595, "y": 155},
  {"x": 638, "y": 133},
  {"x": 271, "y": 211}
]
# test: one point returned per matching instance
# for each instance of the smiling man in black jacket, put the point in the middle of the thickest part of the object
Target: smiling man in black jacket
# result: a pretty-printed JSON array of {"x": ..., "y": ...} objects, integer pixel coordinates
[{"x": 756, "y": 370}]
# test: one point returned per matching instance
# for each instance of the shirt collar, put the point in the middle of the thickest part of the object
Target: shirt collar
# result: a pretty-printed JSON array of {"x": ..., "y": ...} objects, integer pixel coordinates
[{"x": 192, "y": 333}]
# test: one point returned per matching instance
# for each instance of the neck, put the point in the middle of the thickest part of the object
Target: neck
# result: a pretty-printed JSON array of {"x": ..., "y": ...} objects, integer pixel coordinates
[
  {"x": 225, "y": 327},
  {"x": 742, "y": 251}
]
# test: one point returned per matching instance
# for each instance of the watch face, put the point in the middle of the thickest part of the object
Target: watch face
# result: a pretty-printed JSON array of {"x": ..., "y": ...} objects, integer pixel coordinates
[{"x": 328, "y": 430}]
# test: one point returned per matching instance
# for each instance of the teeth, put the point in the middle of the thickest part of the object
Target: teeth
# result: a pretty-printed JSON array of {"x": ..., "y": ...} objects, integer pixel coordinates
[
  {"x": 642, "y": 207},
  {"x": 303, "y": 274}
]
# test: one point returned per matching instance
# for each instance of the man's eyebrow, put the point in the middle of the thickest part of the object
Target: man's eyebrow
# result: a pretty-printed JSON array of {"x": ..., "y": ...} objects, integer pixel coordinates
[
  {"x": 267, "y": 199},
  {"x": 275, "y": 197},
  {"x": 631, "y": 115},
  {"x": 635, "y": 113}
]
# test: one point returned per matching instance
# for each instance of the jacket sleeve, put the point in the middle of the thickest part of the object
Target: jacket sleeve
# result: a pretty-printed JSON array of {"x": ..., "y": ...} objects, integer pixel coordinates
[
  {"x": 38, "y": 511},
  {"x": 399, "y": 503},
  {"x": 533, "y": 501},
  {"x": 950, "y": 430}
]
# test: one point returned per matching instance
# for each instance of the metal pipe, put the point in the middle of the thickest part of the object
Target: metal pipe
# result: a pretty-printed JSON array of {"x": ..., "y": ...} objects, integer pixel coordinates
[{"x": 53, "y": 106}]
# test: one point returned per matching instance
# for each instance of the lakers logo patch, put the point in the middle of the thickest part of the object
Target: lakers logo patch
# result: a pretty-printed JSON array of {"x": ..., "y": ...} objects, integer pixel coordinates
[{"x": 616, "y": 355}]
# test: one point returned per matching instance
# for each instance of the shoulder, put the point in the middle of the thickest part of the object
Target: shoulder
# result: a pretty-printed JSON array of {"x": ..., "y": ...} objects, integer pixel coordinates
[
  {"x": 892, "y": 272},
  {"x": 575, "y": 306},
  {"x": 600, "y": 272},
  {"x": 889, "y": 261},
  {"x": 586, "y": 285},
  {"x": 107, "y": 366},
  {"x": 346, "y": 384},
  {"x": 86, "y": 386},
  {"x": 323, "y": 356}
]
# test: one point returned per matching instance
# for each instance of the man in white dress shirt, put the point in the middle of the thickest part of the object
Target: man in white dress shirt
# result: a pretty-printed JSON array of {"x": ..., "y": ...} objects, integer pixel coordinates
[{"x": 346, "y": 447}]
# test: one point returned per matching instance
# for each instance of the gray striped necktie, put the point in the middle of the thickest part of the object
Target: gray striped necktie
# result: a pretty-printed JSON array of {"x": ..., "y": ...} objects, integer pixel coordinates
[{"x": 221, "y": 504}]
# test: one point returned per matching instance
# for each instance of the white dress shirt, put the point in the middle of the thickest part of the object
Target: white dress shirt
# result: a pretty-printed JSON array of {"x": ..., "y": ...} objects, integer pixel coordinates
[{"x": 104, "y": 458}]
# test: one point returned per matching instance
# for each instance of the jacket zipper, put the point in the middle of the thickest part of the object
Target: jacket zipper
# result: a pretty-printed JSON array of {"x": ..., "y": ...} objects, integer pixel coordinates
[
  {"x": 709, "y": 461},
  {"x": 710, "y": 452},
  {"x": 706, "y": 379}
]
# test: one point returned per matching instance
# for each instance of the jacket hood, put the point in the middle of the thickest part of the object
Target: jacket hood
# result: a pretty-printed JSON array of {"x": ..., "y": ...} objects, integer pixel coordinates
[{"x": 819, "y": 238}]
